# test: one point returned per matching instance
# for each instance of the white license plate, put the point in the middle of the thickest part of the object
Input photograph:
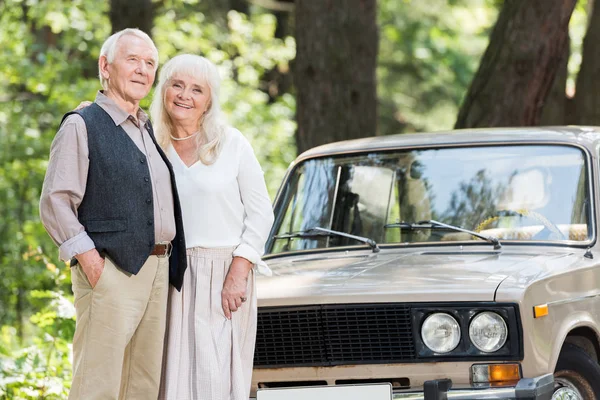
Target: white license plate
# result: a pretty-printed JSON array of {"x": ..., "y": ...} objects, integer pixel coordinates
[{"x": 344, "y": 392}]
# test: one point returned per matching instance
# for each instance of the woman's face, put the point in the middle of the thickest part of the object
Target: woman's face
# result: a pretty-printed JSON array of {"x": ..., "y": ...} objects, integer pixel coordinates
[{"x": 186, "y": 99}]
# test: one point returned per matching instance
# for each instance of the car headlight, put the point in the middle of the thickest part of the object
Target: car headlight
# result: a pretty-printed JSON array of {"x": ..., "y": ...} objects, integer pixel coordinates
[
  {"x": 488, "y": 332},
  {"x": 440, "y": 332}
]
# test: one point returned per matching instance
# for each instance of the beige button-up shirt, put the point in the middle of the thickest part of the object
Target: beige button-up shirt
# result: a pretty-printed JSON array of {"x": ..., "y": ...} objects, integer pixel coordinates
[{"x": 66, "y": 178}]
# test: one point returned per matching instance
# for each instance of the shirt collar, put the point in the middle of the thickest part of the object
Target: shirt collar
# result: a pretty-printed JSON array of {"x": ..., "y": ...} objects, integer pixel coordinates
[{"x": 117, "y": 114}]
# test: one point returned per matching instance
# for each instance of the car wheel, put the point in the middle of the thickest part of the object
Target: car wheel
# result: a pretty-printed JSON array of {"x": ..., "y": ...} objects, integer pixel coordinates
[{"x": 577, "y": 375}]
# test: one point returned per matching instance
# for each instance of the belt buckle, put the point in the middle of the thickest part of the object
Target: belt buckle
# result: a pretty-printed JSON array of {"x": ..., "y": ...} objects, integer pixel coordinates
[{"x": 168, "y": 250}]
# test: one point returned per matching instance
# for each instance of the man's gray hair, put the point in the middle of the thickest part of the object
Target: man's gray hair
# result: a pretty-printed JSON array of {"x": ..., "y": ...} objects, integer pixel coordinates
[{"x": 109, "y": 48}]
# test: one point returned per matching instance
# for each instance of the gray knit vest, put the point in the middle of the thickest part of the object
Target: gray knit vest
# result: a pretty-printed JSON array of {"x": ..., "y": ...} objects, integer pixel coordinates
[{"x": 117, "y": 209}]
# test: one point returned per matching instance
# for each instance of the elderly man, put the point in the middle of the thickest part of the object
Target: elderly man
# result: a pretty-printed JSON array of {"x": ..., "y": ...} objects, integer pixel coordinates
[{"x": 109, "y": 201}]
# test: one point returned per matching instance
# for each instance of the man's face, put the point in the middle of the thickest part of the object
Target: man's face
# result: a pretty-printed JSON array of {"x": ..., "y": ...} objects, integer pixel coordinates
[{"x": 132, "y": 72}]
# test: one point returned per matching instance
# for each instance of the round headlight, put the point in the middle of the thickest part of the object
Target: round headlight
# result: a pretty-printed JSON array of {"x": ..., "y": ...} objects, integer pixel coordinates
[
  {"x": 440, "y": 332},
  {"x": 488, "y": 332}
]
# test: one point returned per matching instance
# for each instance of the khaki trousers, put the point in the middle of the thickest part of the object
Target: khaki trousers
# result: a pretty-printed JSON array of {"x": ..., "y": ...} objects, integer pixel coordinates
[{"x": 119, "y": 334}]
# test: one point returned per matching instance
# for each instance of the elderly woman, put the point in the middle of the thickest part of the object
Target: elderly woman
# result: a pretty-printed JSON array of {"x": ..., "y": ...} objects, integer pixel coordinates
[{"x": 227, "y": 216}]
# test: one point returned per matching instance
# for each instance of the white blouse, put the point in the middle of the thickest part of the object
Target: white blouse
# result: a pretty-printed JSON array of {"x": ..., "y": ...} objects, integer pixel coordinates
[{"x": 225, "y": 204}]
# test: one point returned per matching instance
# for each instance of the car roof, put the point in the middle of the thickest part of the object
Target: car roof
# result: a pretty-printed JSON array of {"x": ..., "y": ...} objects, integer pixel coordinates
[{"x": 586, "y": 136}]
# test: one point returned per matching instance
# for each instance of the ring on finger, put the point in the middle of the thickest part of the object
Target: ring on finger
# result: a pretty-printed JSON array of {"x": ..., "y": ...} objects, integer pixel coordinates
[{"x": 243, "y": 298}]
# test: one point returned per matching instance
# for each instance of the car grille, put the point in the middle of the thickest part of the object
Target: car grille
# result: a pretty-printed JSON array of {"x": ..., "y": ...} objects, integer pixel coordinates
[{"x": 336, "y": 334}]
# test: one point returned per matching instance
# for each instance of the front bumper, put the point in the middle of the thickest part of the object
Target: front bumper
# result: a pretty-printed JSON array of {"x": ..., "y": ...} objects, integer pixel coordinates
[{"x": 539, "y": 388}]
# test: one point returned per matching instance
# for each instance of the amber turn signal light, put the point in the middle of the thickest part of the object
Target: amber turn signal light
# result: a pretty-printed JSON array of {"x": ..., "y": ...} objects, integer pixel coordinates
[
  {"x": 540, "y": 311},
  {"x": 495, "y": 374}
]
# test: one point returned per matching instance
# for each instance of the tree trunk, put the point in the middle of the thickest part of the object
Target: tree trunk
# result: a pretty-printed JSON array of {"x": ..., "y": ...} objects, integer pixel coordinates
[
  {"x": 131, "y": 14},
  {"x": 587, "y": 96},
  {"x": 334, "y": 70},
  {"x": 519, "y": 65},
  {"x": 554, "y": 111},
  {"x": 285, "y": 24}
]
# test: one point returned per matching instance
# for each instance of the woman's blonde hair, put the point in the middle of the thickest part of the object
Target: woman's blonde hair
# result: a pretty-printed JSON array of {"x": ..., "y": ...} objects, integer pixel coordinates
[{"x": 211, "y": 126}]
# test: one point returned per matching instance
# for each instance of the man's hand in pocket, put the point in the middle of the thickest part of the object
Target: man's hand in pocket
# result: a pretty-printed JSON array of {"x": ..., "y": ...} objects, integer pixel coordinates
[{"x": 92, "y": 265}]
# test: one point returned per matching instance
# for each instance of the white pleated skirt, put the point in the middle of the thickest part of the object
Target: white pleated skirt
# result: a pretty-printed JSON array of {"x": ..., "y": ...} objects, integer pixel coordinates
[{"x": 207, "y": 356}]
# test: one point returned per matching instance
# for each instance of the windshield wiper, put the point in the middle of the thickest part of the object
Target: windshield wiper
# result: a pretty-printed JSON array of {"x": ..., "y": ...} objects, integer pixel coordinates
[
  {"x": 430, "y": 223},
  {"x": 318, "y": 231}
]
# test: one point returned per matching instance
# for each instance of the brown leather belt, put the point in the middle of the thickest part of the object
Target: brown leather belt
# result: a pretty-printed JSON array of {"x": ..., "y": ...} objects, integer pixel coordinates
[{"x": 162, "y": 249}]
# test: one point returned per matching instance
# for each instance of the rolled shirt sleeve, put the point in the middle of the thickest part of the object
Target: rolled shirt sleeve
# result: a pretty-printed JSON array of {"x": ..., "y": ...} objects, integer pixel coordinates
[
  {"x": 258, "y": 211},
  {"x": 64, "y": 187}
]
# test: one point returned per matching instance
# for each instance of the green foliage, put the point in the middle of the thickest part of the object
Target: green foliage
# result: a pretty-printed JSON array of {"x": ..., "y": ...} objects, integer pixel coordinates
[
  {"x": 48, "y": 45},
  {"x": 577, "y": 29},
  {"x": 428, "y": 53},
  {"x": 42, "y": 369}
]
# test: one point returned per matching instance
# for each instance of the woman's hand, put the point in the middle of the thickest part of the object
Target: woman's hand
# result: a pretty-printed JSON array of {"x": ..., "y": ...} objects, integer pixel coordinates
[
  {"x": 234, "y": 287},
  {"x": 83, "y": 104}
]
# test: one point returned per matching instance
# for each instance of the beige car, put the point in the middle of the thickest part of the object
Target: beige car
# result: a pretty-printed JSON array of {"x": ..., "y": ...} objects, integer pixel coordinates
[{"x": 459, "y": 265}]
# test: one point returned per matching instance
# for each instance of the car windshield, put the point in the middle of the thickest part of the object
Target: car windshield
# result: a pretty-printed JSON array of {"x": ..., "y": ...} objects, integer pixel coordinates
[{"x": 512, "y": 193}]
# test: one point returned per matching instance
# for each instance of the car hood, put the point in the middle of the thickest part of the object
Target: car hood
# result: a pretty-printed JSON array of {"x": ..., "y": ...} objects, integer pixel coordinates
[{"x": 393, "y": 276}]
